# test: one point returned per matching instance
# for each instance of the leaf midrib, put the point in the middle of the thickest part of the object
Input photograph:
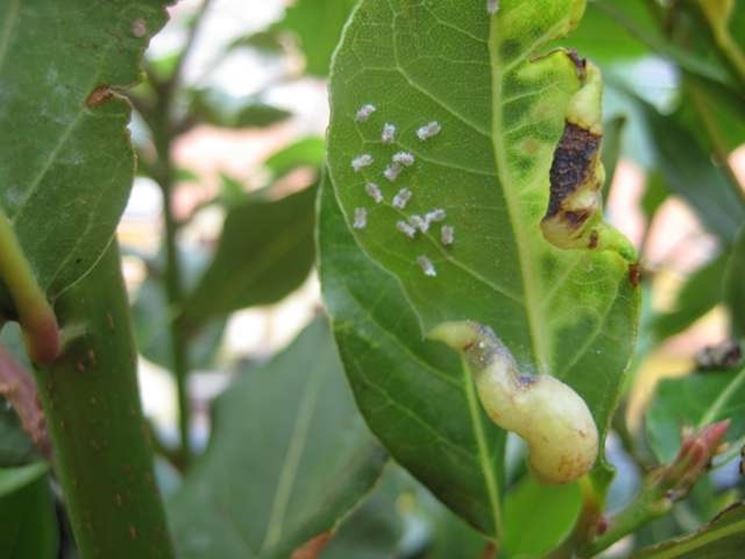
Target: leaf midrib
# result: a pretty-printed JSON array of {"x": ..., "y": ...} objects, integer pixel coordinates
[
  {"x": 14, "y": 9},
  {"x": 295, "y": 449},
  {"x": 531, "y": 290}
]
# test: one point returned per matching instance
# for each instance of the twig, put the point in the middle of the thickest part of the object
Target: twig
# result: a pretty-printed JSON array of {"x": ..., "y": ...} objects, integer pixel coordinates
[
  {"x": 20, "y": 390},
  {"x": 663, "y": 487},
  {"x": 163, "y": 130}
]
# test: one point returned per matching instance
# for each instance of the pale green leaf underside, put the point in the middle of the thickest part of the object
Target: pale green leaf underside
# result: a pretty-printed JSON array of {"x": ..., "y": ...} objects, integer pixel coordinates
[
  {"x": 501, "y": 107},
  {"x": 67, "y": 165}
]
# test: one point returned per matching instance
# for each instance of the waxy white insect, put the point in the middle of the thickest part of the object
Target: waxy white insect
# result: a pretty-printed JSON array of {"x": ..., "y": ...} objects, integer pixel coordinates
[
  {"x": 373, "y": 190},
  {"x": 435, "y": 215},
  {"x": 406, "y": 229},
  {"x": 426, "y": 265},
  {"x": 362, "y": 161},
  {"x": 404, "y": 158},
  {"x": 428, "y": 130},
  {"x": 389, "y": 133},
  {"x": 447, "y": 235},
  {"x": 360, "y": 218},
  {"x": 402, "y": 198},
  {"x": 364, "y": 112},
  {"x": 492, "y": 6},
  {"x": 392, "y": 171},
  {"x": 419, "y": 222}
]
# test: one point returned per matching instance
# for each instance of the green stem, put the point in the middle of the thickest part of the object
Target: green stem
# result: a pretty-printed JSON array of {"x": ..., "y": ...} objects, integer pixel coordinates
[
  {"x": 648, "y": 505},
  {"x": 91, "y": 402},
  {"x": 163, "y": 132},
  {"x": 35, "y": 314},
  {"x": 175, "y": 293}
]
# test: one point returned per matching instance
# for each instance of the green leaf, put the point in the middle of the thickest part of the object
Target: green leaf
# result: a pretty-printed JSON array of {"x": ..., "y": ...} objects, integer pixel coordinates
[
  {"x": 305, "y": 152},
  {"x": 722, "y": 538},
  {"x": 538, "y": 517},
  {"x": 612, "y": 148},
  {"x": 265, "y": 252},
  {"x": 689, "y": 171},
  {"x": 67, "y": 159},
  {"x": 317, "y": 24},
  {"x": 717, "y": 112},
  {"x": 266, "y": 41},
  {"x": 701, "y": 293},
  {"x": 635, "y": 17},
  {"x": 221, "y": 109},
  {"x": 655, "y": 194},
  {"x": 288, "y": 458},
  {"x": 402, "y": 519},
  {"x": 15, "y": 445},
  {"x": 232, "y": 190},
  {"x": 696, "y": 399},
  {"x": 734, "y": 285},
  {"x": 13, "y": 479},
  {"x": 28, "y": 524},
  {"x": 603, "y": 39},
  {"x": 412, "y": 393},
  {"x": 502, "y": 109},
  {"x": 151, "y": 317},
  {"x": 375, "y": 529}
]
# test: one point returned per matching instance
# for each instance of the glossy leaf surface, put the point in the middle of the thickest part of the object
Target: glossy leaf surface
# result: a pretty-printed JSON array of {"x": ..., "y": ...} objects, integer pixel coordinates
[{"x": 289, "y": 457}]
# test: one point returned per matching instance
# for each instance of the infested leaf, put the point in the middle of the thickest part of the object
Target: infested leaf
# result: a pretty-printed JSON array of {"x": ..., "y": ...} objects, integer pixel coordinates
[{"x": 498, "y": 103}]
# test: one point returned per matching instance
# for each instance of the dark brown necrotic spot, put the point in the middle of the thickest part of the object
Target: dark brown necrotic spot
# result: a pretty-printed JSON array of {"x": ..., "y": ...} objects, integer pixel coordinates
[
  {"x": 572, "y": 165},
  {"x": 579, "y": 63}
]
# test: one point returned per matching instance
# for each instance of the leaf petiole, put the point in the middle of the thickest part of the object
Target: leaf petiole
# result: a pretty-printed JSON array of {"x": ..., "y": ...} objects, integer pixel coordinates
[{"x": 35, "y": 313}]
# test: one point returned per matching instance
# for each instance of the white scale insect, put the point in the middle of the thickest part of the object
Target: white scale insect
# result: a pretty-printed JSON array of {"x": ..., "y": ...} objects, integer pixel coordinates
[
  {"x": 404, "y": 158},
  {"x": 362, "y": 161},
  {"x": 360, "y": 218},
  {"x": 406, "y": 229},
  {"x": 373, "y": 190},
  {"x": 429, "y": 130},
  {"x": 364, "y": 112},
  {"x": 419, "y": 222},
  {"x": 389, "y": 133},
  {"x": 435, "y": 215},
  {"x": 492, "y": 6},
  {"x": 402, "y": 198},
  {"x": 392, "y": 171},
  {"x": 447, "y": 235},
  {"x": 426, "y": 265}
]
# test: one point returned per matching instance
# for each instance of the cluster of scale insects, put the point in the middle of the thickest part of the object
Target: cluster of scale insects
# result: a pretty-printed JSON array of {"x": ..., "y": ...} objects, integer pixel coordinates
[{"x": 415, "y": 224}]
